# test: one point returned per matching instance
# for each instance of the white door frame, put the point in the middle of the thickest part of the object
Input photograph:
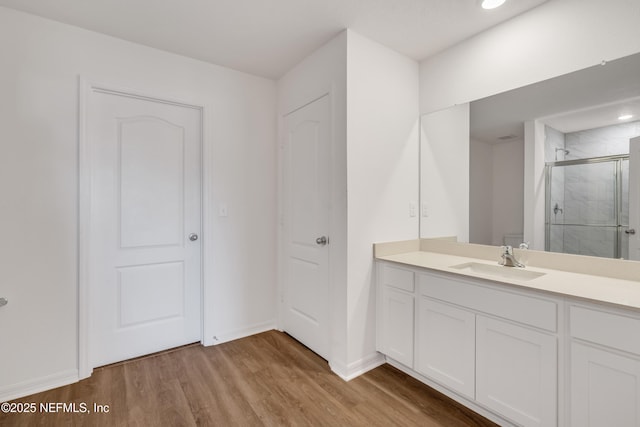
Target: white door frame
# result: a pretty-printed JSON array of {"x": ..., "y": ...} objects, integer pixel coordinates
[
  {"x": 634, "y": 198},
  {"x": 85, "y": 367}
]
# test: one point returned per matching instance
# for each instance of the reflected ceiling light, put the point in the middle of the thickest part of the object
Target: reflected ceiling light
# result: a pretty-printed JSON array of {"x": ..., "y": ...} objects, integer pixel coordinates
[
  {"x": 625, "y": 116},
  {"x": 492, "y": 4}
]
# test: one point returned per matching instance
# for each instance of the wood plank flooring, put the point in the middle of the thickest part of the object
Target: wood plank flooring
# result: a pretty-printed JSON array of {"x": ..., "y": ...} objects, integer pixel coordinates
[{"x": 267, "y": 379}]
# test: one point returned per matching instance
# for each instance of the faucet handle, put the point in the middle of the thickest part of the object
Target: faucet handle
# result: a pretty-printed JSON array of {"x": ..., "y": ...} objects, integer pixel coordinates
[{"x": 524, "y": 245}]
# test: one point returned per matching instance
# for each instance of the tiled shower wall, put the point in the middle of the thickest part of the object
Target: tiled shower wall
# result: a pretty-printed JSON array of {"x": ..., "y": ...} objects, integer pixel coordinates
[
  {"x": 605, "y": 141},
  {"x": 584, "y": 194}
]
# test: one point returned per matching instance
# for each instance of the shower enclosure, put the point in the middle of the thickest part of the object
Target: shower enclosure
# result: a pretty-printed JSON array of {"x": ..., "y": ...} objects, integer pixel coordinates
[{"x": 587, "y": 206}]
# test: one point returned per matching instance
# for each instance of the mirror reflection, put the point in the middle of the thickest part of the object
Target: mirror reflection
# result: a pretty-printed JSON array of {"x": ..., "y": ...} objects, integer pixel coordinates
[{"x": 550, "y": 163}]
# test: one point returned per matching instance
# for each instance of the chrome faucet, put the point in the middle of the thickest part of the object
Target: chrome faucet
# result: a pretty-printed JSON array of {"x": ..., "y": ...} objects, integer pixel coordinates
[{"x": 508, "y": 259}]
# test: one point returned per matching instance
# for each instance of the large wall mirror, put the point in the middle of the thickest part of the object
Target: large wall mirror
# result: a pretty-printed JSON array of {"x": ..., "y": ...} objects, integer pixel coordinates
[{"x": 551, "y": 163}]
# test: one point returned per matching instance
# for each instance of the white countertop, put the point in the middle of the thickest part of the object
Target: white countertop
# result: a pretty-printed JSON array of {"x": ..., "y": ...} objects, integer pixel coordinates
[{"x": 625, "y": 293}]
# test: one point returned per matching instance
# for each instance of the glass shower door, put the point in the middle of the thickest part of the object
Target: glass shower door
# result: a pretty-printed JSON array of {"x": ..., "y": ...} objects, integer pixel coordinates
[{"x": 586, "y": 206}]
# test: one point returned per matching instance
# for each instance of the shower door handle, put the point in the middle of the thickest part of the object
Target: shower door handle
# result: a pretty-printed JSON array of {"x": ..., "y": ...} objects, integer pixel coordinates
[{"x": 630, "y": 231}]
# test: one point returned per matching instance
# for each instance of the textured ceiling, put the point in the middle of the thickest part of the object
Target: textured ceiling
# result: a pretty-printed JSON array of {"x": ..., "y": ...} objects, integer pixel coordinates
[{"x": 268, "y": 37}]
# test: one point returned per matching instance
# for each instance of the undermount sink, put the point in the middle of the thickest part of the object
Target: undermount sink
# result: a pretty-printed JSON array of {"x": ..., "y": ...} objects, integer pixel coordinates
[{"x": 498, "y": 271}]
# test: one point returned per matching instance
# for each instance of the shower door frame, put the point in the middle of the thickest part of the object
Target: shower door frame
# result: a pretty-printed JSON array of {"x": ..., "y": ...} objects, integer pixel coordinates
[{"x": 617, "y": 159}]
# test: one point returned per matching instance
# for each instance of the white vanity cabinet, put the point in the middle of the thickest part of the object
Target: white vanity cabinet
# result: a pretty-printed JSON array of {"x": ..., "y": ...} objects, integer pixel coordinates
[
  {"x": 605, "y": 367},
  {"x": 396, "y": 307},
  {"x": 493, "y": 345},
  {"x": 536, "y": 346}
]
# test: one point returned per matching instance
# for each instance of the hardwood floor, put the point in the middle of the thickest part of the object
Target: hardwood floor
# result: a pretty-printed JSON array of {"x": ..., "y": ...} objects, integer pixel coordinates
[{"x": 267, "y": 379}]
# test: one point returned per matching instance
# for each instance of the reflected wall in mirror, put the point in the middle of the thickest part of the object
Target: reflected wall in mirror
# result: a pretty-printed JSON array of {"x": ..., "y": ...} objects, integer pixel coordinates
[
  {"x": 549, "y": 164},
  {"x": 444, "y": 190}
]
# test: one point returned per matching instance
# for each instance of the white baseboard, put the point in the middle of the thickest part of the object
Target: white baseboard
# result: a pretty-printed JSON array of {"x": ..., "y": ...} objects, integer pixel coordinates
[
  {"x": 26, "y": 388},
  {"x": 240, "y": 333},
  {"x": 357, "y": 368}
]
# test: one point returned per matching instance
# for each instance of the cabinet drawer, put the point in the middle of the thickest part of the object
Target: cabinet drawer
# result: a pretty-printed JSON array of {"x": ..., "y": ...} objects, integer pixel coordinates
[
  {"x": 398, "y": 278},
  {"x": 608, "y": 329},
  {"x": 532, "y": 311}
]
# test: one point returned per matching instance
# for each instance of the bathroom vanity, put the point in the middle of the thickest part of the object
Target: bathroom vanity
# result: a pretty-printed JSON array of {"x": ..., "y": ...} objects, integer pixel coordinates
[{"x": 534, "y": 346}]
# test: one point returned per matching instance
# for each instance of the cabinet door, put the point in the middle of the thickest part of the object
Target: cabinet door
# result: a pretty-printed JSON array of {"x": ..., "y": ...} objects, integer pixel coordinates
[
  {"x": 605, "y": 388},
  {"x": 516, "y": 372},
  {"x": 395, "y": 324},
  {"x": 446, "y": 345}
]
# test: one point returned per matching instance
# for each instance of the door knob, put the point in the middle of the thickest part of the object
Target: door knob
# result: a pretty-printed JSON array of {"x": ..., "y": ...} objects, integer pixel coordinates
[
  {"x": 3, "y": 301},
  {"x": 630, "y": 231},
  {"x": 193, "y": 237},
  {"x": 322, "y": 240}
]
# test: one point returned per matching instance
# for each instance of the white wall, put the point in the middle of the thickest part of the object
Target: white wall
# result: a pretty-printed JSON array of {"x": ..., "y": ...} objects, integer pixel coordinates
[
  {"x": 496, "y": 181},
  {"x": 444, "y": 173},
  {"x": 41, "y": 61},
  {"x": 374, "y": 174},
  {"x": 480, "y": 192},
  {"x": 534, "y": 184},
  {"x": 508, "y": 182},
  {"x": 322, "y": 72},
  {"x": 382, "y": 171},
  {"x": 557, "y": 37}
]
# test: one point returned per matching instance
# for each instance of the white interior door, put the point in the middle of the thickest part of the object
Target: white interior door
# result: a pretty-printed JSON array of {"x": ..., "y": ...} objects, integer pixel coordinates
[
  {"x": 634, "y": 199},
  {"x": 144, "y": 261},
  {"x": 306, "y": 225}
]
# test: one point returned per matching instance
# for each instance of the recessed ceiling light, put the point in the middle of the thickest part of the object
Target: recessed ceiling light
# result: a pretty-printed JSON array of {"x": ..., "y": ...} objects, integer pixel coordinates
[
  {"x": 625, "y": 117},
  {"x": 492, "y": 4}
]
